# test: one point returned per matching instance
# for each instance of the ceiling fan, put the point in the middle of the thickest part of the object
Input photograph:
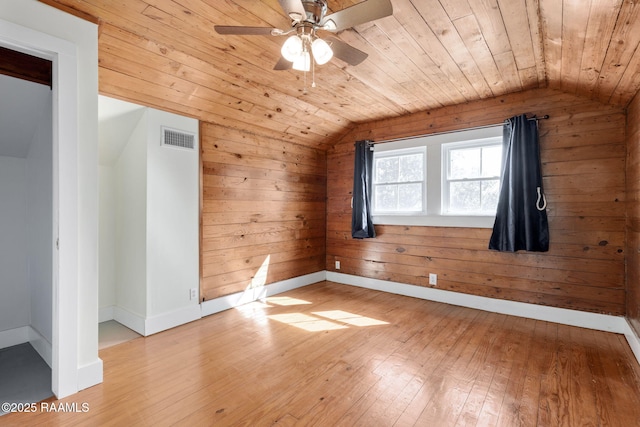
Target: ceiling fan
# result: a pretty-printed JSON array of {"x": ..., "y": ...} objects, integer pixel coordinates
[{"x": 304, "y": 47}]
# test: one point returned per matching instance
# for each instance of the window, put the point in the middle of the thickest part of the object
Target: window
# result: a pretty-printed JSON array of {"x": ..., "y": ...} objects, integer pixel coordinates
[
  {"x": 399, "y": 181},
  {"x": 449, "y": 179},
  {"x": 471, "y": 178}
]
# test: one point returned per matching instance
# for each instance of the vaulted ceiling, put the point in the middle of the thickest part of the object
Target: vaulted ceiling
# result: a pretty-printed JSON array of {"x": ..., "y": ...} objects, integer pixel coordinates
[{"x": 428, "y": 54}]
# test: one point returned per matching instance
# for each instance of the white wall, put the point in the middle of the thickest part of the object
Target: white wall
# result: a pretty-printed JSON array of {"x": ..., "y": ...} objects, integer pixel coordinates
[
  {"x": 14, "y": 289},
  {"x": 130, "y": 211},
  {"x": 107, "y": 238},
  {"x": 172, "y": 218},
  {"x": 39, "y": 235},
  {"x": 73, "y": 44},
  {"x": 152, "y": 214}
]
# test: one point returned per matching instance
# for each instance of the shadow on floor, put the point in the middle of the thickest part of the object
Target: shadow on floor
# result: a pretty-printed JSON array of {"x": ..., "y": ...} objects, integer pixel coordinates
[{"x": 24, "y": 376}]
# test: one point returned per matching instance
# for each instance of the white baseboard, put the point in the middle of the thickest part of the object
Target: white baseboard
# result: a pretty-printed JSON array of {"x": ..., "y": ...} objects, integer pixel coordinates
[
  {"x": 130, "y": 320},
  {"x": 28, "y": 334},
  {"x": 90, "y": 374},
  {"x": 106, "y": 313},
  {"x": 41, "y": 345},
  {"x": 171, "y": 319},
  {"x": 633, "y": 340},
  {"x": 583, "y": 319},
  {"x": 230, "y": 301},
  {"x": 14, "y": 336}
]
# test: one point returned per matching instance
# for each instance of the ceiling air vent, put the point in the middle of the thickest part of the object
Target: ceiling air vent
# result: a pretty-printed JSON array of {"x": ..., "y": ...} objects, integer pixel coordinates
[{"x": 178, "y": 138}]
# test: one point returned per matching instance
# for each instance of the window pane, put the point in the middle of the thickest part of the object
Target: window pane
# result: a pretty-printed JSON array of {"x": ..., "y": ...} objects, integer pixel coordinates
[
  {"x": 410, "y": 197},
  {"x": 411, "y": 168},
  {"x": 464, "y": 163},
  {"x": 490, "y": 193},
  {"x": 386, "y": 197},
  {"x": 387, "y": 169},
  {"x": 492, "y": 161},
  {"x": 464, "y": 196}
]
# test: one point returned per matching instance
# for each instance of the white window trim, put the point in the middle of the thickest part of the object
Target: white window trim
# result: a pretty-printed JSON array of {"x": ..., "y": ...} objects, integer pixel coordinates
[
  {"x": 445, "y": 154},
  {"x": 407, "y": 151},
  {"x": 433, "y": 216}
]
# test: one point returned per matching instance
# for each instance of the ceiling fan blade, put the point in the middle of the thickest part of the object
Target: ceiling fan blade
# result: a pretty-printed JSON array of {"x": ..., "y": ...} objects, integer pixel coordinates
[
  {"x": 283, "y": 64},
  {"x": 294, "y": 9},
  {"x": 366, "y": 11},
  {"x": 244, "y": 31},
  {"x": 346, "y": 52}
]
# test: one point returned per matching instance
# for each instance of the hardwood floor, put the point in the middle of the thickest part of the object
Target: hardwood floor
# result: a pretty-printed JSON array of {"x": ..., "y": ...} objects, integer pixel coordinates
[{"x": 329, "y": 355}]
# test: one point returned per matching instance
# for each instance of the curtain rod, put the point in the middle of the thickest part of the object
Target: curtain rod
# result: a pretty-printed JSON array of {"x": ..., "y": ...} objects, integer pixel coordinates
[{"x": 545, "y": 117}]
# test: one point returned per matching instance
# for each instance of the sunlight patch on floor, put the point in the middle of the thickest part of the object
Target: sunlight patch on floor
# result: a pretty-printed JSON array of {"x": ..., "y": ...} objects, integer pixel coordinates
[
  {"x": 325, "y": 320},
  {"x": 306, "y": 322},
  {"x": 349, "y": 318},
  {"x": 286, "y": 301}
]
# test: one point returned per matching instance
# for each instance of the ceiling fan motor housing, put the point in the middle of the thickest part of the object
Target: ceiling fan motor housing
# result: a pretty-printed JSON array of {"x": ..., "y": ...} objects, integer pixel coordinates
[{"x": 316, "y": 9}]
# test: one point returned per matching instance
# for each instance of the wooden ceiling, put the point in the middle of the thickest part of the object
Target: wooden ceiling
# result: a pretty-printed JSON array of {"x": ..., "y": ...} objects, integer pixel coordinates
[{"x": 428, "y": 54}]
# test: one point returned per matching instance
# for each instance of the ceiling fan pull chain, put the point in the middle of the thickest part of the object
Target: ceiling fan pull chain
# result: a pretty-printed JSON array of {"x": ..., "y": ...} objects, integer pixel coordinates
[
  {"x": 304, "y": 89},
  {"x": 313, "y": 72}
]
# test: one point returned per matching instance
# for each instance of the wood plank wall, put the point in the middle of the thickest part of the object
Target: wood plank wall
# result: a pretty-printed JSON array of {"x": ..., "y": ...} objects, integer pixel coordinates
[
  {"x": 633, "y": 213},
  {"x": 583, "y": 153},
  {"x": 263, "y": 210}
]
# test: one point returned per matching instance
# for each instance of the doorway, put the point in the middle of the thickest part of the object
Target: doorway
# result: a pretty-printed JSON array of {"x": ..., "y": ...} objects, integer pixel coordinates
[
  {"x": 26, "y": 227},
  {"x": 67, "y": 377}
]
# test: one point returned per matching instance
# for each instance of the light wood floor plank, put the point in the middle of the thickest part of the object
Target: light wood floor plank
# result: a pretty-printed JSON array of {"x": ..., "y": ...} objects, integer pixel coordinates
[{"x": 336, "y": 355}]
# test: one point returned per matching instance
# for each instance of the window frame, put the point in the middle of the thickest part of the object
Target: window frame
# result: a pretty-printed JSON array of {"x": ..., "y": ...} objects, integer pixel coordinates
[
  {"x": 433, "y": 204},
  {"x": 446, "y": 149},
  {"x": 396, "y": 153}
]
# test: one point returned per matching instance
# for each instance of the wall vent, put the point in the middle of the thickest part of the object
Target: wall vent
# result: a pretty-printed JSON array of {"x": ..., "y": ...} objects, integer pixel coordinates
[{"x": 178, "y": 138}]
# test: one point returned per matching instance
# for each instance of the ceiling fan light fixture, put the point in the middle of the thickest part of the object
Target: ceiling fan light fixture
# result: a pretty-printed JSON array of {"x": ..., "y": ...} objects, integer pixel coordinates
[
  {"x": 321, "y": 50},
  {"x": 292, "y": 48},
  {"x": 302, "y": 62},
  {"x": 295, "y": 16},
  {"x": 329, "y": 25}
]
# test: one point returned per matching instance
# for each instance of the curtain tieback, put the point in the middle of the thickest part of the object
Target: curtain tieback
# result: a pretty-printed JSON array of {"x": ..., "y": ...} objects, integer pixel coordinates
[{"x": 543, "y": 198}]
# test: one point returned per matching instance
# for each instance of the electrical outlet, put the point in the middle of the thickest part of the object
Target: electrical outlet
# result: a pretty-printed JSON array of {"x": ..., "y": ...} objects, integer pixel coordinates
[
  {"x": 337, "y": 265},
  {"x": 193, "y": 293},
  {"x": 433, "y": 279}
]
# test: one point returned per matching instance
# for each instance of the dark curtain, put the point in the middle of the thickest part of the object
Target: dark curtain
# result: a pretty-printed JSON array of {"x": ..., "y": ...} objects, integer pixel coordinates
[
  {"x": 361, "y": 223},
  {"x": 521, "y": 218}
]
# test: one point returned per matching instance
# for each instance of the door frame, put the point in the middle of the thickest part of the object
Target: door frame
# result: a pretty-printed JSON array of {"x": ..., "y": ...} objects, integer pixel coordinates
[{"x": 64, "y": 241}]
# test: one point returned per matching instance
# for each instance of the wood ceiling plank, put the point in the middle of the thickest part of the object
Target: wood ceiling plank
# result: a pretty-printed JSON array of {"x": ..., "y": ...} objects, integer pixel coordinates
[
  {"x": 435, "y": 82},
  {"x": 391, "y": 54},
  {"x": 428, "y": 54},
  {"x": 456, "y": 9},
  {"x": 535, "y": 29},
  {"x": 529, "y": 78},
  {"x": 602, "y": 20},
  {"x": 298, "y": 129},
  {"x": 380, "y": 74},
  {"x": 624, "y": 43},
  {"x": 123, "y": 88},
  {"x": 506, "y": 63},
  {"x": 325, "y": 87},
  {"x": 629, "y": 84},
  {"x": 516, "y": 22},
  {"x": 490, "y": 20},
  {"x": 237, "y": 84},
  {"x": 551, "y": 13},
  {"x": 121, "y": 59},
  {"x": 469, "y": 30},
  {"x": 405, "y": 13},
  {"x": 574, "y": 30},
  {"x": 440, "y": 23}
]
